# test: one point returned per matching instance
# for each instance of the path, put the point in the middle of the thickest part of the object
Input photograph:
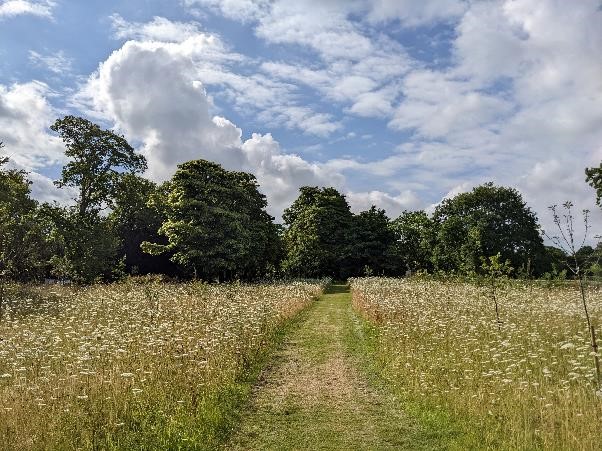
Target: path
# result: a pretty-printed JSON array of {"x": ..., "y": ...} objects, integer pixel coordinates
[{"x": 315, "y": 394}]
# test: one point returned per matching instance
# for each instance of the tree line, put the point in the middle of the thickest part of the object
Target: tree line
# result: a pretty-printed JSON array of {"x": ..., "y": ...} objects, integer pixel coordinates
[{"x": 210, "y": 223}]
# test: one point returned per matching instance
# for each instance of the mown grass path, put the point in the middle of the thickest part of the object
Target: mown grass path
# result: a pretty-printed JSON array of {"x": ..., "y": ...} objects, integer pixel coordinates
[{"x": 317, "y": 392}]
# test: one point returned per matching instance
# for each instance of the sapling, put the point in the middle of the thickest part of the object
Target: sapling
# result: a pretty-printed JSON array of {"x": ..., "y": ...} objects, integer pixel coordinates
[
  {"x": 495, "y": 276},
  {"x": 571, "y": 247}
]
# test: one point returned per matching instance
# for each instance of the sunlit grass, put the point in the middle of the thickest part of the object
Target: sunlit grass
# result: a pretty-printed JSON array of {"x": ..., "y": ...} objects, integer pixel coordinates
[
  {"x": 134, "y": 365},
  {"x": 529, "y": 384}
]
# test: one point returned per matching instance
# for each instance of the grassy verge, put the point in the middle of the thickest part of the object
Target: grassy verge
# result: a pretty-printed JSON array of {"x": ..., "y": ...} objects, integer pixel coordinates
[
  {"x": 434, "y": 427},
  {"x": 236, "y": 397}
]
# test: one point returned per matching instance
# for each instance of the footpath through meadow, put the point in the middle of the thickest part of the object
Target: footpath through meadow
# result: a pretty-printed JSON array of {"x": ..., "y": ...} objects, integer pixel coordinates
[{"x": 318, "y": 394}]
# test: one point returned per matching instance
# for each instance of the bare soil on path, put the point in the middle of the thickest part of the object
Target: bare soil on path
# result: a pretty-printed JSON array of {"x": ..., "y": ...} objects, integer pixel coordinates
[{"x": 317, "y": 393}]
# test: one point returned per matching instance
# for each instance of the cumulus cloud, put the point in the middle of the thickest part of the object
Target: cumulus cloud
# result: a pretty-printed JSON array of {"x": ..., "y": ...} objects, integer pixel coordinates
[
  {"x": 522, "y": 87},
  {"x": 253, "y": 95},
  {"x": 394, "y": 205},
  {"x": 25, "y": 117},
  {"x": 11, "y": 8},
  {"x": 153, "y": 94},
  {"x": 521, "y": 103}
]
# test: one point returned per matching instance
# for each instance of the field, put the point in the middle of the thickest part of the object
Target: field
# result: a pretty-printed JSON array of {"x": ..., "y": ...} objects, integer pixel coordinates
[
  {"x": 527, "y": 383},
  {"x": 411, "y": 363},
  {"x": 134, "y": 365}
]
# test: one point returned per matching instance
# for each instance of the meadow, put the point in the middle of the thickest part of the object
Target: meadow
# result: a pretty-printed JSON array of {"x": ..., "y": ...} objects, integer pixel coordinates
[
  {"x": 135, "y": 365},
  {"x": 525, "y": 383}
]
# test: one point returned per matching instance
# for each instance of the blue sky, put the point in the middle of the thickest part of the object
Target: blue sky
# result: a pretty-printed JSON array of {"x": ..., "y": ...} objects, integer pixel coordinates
[{"x": 396, "y": 103}]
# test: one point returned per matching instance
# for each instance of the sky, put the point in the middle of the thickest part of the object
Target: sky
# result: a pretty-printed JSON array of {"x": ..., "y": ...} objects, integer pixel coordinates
[{"x": 397, "y": 103}]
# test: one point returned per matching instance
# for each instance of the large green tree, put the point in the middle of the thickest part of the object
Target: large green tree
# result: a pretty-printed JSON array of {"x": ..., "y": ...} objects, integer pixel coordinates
[
  {"x": 23, "y": 250},
  {"x": 319, "y": 230},
  {"x": 137, "y": 214},
  {"x": 373, "y": 245},
  {"x": 85, "y": 247},
  {"x": 216, "y": 225},
  {"x": 99, "y": 160},
  {"x": 415, "y": 232},
  {"x": 482, "y": 223}
]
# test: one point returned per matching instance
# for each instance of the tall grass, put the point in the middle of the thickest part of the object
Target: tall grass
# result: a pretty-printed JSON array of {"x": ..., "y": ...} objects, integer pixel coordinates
[
  {"x": 135, "y": 365},
  {"x": 528, "y": 385}
]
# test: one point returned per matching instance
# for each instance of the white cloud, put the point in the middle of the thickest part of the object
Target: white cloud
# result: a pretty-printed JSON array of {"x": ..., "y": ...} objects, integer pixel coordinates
[
  {"x": 394, "y": 205},
  {"x": 153, "y": 94},
  {"x": 520, "y": 105},
  {"x": 437, "y": 106},
  {"x": 355, "y": 68},
  {"x": 254, "y": 95},
  {"x": 556, "y": 180},
  {"x": 242, "y": 10},
  {"x": 43, "y": 189},
  {"x": 25, "y": 118},
  {"x": 12, "y": 8},
  {"x": 409, "y": 12},
  {"x": 414, "y": 13},
  {"x": 57, "y": 63},
  {"x": 159, "y": 29},
  {"x": 520, "y": 97}
]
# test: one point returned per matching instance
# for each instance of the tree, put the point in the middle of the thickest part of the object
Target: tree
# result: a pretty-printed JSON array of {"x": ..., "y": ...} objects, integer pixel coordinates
[
  {"x": 593, "y": 176},
  {"x": 216, "y": 225},
  {"x": 580, "y": 257},
  {"x": 373, "y": 245},
  {"x": 552, "y": 264},
  {"x": 415, "y": 235},
  {"x": 99, "y": 159},
  {"x": 482, "y": 223},
  {"x": 84, "y": 248},
  {"x": 495, "y": 277},
  {"x": 22, "y": 241},
  {"x": 137, "y": 219},
  {"x": 318, "y": 233}
]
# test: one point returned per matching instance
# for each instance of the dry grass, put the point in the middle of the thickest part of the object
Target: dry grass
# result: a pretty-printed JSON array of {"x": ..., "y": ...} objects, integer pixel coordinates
[
  {"x": 529, "y": 385},
  {"x": 135, "y": 365}
]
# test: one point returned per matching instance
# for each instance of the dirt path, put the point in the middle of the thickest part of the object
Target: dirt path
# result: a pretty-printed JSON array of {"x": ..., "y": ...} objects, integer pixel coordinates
[{"x": 315, "y": 394}]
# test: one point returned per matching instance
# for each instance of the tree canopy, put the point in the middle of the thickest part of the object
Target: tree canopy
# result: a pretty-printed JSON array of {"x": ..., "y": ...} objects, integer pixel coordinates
[
  {"x": 22, "y": 237},
  {"x": 593, "y": 176},
  {"x": 482, "y": 223},
  {"x": 212, "y": 223},
  {"x": 415, "y": 232},
  {"x": 373, "y": 245},
  {"x": 98, "y": 160},
  {"x": 318, "y": 232},
  {"x": 323, "y": 237},
  {"x": 216, "y": 224},
  {"x": 136, "y": 219}
]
